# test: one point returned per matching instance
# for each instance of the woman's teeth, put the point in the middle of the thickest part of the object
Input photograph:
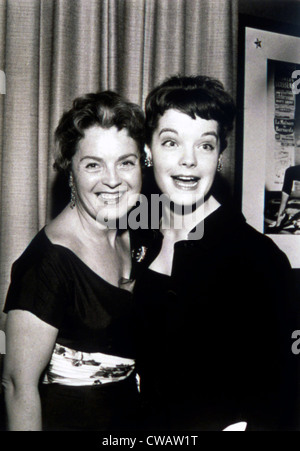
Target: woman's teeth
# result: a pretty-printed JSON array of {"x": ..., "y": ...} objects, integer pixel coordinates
[
  {"x": 111, "y": 198},
  {"x": 186, "y": 182}
]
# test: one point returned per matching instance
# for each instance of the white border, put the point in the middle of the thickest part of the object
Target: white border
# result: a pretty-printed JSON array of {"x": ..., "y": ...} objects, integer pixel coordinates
[{"x": 277, "y": 47}]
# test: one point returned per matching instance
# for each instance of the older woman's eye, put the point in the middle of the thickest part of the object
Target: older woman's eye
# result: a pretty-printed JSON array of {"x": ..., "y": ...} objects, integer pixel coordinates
[
  {"x": 92, "y": 166},
  {"x": 127, "y": 164}
]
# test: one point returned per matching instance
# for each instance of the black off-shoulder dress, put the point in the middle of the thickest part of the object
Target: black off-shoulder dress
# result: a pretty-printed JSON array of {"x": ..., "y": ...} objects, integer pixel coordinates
[{"x": 90, "y": 383}]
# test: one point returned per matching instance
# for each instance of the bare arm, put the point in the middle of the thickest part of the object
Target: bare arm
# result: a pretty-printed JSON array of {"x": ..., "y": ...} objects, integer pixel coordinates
[
  {"x": 283, "y": 204},
  {"x": 30, "y": 343}
]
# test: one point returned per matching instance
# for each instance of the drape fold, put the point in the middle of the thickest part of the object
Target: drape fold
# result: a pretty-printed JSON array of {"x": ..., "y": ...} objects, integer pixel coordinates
[{"x": 55, "y": 50}]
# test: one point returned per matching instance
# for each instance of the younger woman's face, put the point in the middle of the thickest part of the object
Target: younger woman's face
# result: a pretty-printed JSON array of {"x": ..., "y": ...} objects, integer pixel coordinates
[
  {"x": 185, "y": 154},
  {"x": 107, "y": 173}
]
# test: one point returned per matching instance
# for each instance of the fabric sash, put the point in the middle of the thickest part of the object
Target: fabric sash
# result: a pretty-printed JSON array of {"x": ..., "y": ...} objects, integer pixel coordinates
[{"x": 74, "y": 368}]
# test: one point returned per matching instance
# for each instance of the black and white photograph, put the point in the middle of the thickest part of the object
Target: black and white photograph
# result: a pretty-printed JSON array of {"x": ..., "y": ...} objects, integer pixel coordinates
[{"x": 149, "y": 218}]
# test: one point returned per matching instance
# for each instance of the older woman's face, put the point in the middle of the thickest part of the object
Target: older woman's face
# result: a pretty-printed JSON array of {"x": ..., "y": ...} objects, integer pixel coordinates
[
  {"x": 185, "y": 154},
  {"x": 107, "y": 172}
]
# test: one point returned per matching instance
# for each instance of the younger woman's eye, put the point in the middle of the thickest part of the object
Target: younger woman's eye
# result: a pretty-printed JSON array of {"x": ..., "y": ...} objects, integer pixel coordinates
[
  {"x": 208, "y": 147},
  {"x": 169, "y": 143}
]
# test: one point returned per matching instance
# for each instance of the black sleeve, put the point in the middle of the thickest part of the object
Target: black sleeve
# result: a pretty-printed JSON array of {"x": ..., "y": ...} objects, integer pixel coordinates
[
  {"x": 288, "y": 181},
  {"x": 287, "y": 311},
  {"x": 291, "y": 175},
  {"x": 37, "y": 286},
  {"x": 275, "y": 365}
]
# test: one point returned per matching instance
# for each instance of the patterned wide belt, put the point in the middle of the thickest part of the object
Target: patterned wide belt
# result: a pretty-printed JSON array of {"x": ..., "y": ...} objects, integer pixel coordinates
[{"x": 74, "y": 368}]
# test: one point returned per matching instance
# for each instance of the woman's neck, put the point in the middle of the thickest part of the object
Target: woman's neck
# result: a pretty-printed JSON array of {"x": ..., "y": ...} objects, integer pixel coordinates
[
  {"x": 79, "y": 223},
  {"x": 95, "y": 229},
  {"x": 180, "y": 225}
]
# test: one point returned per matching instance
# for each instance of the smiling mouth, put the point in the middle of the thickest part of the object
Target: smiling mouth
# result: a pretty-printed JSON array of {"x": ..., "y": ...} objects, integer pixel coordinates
[
  {"x": 111, "y": 198},
  {"x": 186, "y": 182}
]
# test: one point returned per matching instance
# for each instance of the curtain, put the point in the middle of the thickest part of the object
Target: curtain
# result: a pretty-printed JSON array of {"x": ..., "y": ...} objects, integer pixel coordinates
[{"x": 54, "y": 50}]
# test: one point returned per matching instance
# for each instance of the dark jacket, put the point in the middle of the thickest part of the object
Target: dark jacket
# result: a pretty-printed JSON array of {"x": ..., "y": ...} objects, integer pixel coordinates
[{"x": 215, "y": 337}]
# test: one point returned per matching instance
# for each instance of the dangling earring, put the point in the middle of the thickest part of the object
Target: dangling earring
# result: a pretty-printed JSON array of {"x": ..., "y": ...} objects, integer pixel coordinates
[
  {"x": 220, "y": 164},
  {"x": 148, "y": 162},
  {"x": 148, "y": 157},
  {"x": 73, "y": 192}
]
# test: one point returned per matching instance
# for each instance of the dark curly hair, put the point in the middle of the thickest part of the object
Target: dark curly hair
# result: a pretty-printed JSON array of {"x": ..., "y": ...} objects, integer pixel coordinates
[
  {"x": 200, "y": 96},
  {"x": 105, "y": 109}
]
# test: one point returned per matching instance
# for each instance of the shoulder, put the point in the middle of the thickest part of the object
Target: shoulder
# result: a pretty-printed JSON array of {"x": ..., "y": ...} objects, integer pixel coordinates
[
  {"x": 245, "y": 242},
  {"x": 293, "y": 170},
  {"x": 290, "y": 170},
  {"x": 46, "y": 249},
  {"x": 40, "y": 282},
  {"x": 292, "y": 173},
  {"x": 40, "y": 257},
  {"x": 260, "y": 247},
  {"x": 37, "y": 248},
  {"x": 62, "y": 230}
]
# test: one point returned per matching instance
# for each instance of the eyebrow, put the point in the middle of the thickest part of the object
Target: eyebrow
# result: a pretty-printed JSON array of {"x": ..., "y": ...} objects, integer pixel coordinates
[
  {"x": 123, "y": 157},
  {"x": 168, "y": 130},
  {"x": 211, "y": 134}
]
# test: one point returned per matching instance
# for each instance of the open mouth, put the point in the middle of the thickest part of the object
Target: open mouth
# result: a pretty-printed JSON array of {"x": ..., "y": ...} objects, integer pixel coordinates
[
  {"x": 111, "y": 198},
  {"x": 186, "y": 182}
]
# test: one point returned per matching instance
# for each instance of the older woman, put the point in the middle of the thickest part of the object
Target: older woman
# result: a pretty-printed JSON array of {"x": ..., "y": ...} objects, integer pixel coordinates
[
  {"x": 212, "y": 307},
  {"x": 69, "y": 362}
]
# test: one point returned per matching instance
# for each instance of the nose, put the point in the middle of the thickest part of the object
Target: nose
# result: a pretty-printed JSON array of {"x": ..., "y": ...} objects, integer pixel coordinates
[
  {"x": 188, "y": 158},
  {"x": 111, "y": 178}
]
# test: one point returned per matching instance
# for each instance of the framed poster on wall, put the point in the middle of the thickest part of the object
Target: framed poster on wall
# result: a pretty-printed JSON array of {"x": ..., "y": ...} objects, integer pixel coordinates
[{"x": 271, "y": 133}]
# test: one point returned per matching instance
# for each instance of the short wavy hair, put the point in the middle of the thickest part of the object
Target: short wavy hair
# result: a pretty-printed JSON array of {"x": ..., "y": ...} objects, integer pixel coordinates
[
  {"x": 105, "y": 109},
  {"x": 200, "y": 96}
]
